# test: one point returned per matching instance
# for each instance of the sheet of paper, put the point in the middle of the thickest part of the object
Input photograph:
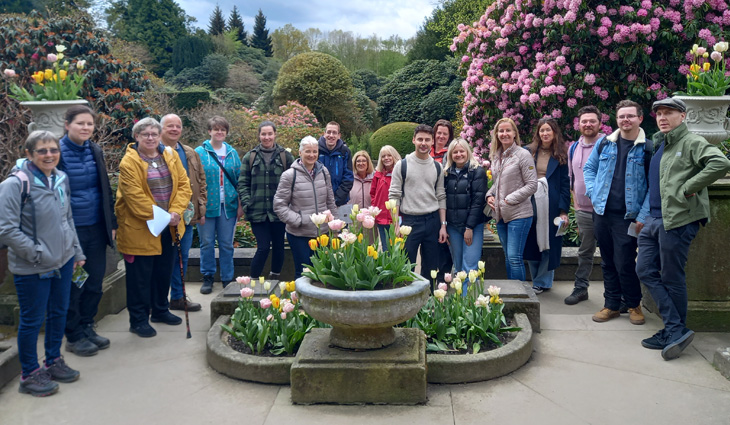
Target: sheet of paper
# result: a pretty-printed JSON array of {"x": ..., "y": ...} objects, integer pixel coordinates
[
  {"x": 562, "y": 226},
  {"x": 159, "y": 222},
  {"x": 632, "y": 230}
]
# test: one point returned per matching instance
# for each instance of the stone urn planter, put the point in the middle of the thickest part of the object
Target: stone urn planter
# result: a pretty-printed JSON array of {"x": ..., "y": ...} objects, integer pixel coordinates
[
  {"x": 707, "y": 117},
  {"x": 50, "y": 114},
  {"x": 362, "y": 319}
]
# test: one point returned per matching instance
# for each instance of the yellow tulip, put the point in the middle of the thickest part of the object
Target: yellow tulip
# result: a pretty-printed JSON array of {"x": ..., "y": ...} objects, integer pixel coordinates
[
  {"x": 62, "y": 73},
  {"x": 398, "y": 241},
  {"x": 313, "y": 244},
  {"x": 291, "y": 286},
  {"x": 323, "y": 240},
  {"x": 372, "y": 252},
  {"x": 38, "y": 77},
  {"x": 359, "y": 237},
  {"x": 694, "y": 68},
  {"x": 706, "y": 66},
  {"x": 48, "y": 74},
  {"x": 335, "y": 243}
]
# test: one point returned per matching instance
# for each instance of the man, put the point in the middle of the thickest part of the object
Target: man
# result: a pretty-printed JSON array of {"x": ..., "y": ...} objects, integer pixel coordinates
[
  {"x": 171, "y": 132},
  {"x": 335, "y": 155},
  {"x": 615, "y": 180},
  {"x": 682, "y": 167},
  {"x": 421, "y": 200},
  {"x": 589, "y": 124}
]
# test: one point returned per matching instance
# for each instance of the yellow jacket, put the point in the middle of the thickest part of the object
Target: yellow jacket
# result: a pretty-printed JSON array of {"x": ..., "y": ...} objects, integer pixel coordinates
[{"x": 135, "y": 201}]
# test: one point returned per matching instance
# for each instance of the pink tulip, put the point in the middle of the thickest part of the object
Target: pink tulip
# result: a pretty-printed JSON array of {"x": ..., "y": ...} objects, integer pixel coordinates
[
  {"x": 270, "y": 317},
  {"x": 368, "y": 222},
  {"x": 288, "y": 307},
  {"x": 265, "y": 303},
  {"x": 336, "y": 225},
  {"x": 246, "y": 292},
  {"x": 294, "y": 296},
  {"x": 9, "y": 73},
  {"x": 51, "y": 57},
  {"x": 361, "y": 216},
  {"x": 243, "y": 280},
  {"x": 283, "y": 316},
  {"x": 329, "y": 215},
  {"x": 447, "y": 277},
  {"x": 443, "y": 286}
]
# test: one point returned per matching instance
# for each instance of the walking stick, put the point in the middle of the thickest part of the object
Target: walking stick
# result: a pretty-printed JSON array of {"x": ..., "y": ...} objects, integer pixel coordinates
[{"x": 182, "y": 279}]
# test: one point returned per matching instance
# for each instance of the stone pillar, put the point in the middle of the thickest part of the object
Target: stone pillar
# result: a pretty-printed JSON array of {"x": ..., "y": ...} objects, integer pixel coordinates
[{"x": 708, "y": 269}]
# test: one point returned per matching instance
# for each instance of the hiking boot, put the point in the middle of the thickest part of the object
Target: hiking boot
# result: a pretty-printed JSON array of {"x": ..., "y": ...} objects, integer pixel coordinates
[
  {"x": 38, "y": 384},
  {"x": 675, "y": 348},
  {"x": 605, "y": 315},
  {"x": 60, "y": 371},
  {"x": 225, "y": 283},
  {"x": 655, "y": 342},
  {"x": 636, "y": 317},
  {"x": 207, "y": 287},
  {"x": 179, "y": 304},
  {"x": 97, "y": 339},
  {"x": 167, "y": 318},
  {"x": 144, "y": 330},
  {"x": 578, "y": 295},
  {"x": 83, "y": 347},
  {"x": 274, "y": 276}
]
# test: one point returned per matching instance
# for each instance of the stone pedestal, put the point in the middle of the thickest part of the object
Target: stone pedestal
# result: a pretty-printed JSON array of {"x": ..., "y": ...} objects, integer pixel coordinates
[
  {"x": 392, "y": 375},
  {"x": 708, "y": 268}
]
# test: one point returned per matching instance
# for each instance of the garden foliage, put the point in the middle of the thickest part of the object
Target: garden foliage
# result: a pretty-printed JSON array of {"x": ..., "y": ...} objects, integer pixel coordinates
[
  {"x": 397, "y": 134},
  {"x": 526, "y": 59}
]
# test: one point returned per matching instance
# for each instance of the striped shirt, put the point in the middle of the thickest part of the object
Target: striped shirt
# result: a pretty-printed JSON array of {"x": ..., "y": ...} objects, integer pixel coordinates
[{"x": 159, "y": 180}]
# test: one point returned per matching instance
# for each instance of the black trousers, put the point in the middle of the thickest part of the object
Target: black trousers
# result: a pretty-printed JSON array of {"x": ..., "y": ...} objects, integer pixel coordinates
[
  {"x": 148, "y": 282},
  {"x": 84, "y": 302},
  {"x": 618, "y": 260},
  {"x": 425, "y": 234}
]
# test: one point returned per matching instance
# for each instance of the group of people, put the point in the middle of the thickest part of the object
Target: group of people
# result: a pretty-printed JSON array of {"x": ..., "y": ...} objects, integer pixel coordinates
[{"x": 59, "y": 214}]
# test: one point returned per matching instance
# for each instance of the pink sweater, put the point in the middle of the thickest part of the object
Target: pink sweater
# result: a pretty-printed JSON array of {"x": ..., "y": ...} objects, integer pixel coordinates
[{"x": 575, "y": 170}]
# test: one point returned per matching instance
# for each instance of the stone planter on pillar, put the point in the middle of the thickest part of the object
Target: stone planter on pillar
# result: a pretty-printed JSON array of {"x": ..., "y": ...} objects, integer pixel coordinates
[
  {"x": 707, "y": 117},
  {"x": 50, "y": 114}
]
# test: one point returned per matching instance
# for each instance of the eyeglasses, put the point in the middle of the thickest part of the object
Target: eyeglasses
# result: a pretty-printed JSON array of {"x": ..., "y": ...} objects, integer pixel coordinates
[
  {"x": 44, "y": 151},
  {"x": 149, "y": 135},
  {"x": 626, "y": 117}
]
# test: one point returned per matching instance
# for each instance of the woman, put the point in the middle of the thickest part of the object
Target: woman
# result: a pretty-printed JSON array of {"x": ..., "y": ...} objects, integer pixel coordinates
[
  {"x": 304, "y": 189},
  {"x": 360, "y": 192},
  {"x": 466, "y": 186},
  {"x": 551, "y": 162},
  {"x": 443, "y": 134},
  {"x": 149, "y": 175},
  {"x": 515, "y": 181},
  {"x": 222, "y": 170},
  {"x": 387, "y": 158},
  {"x": 92, "y": 204},
  {"x": 37, "y": 226},
  {"x": 260, "y": 174}
]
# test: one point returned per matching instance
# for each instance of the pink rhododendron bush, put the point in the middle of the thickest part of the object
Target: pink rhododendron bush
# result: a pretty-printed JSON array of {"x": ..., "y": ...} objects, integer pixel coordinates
[{"x": 526, "y": 59}]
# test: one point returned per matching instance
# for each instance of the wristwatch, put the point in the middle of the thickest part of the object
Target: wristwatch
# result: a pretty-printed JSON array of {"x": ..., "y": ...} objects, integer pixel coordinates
[{"x": 444, "y": 223}]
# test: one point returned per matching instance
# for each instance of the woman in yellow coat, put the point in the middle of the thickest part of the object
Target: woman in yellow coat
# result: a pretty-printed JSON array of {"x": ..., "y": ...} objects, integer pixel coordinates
[{"x": 149, "y": 174}]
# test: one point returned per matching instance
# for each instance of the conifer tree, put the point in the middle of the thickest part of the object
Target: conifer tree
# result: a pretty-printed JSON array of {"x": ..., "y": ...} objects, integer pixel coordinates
[
  {"x": 217, "y": 23},
  {"x": 261, "y": 39},
  {"x": 236, "y": 23}
]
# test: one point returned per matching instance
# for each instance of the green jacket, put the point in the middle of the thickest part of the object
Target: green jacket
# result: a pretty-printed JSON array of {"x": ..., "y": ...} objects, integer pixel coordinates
[
  {"x": 258, "y": 182},
  {"x": 689, "y": 164}
]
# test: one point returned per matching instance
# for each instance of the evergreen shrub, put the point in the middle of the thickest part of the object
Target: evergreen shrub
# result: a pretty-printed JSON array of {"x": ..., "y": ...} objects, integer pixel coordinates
[{"x": 398, "y": 134}]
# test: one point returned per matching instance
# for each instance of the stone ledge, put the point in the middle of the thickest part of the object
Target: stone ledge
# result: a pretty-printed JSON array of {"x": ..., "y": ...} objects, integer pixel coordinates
[
  {"x": 456, "y": 369},
  {"x": 721, "y": 361},
  {"x": 441, "y": 368},
  {"x": 9, "y": 362}
]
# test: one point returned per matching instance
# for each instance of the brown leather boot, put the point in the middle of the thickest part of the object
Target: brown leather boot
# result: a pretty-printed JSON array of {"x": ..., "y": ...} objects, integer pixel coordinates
[
  {"x": 179, "y": 304},
  {"x": 636, "y": 317},
  {"x": 605, "y": 315}
]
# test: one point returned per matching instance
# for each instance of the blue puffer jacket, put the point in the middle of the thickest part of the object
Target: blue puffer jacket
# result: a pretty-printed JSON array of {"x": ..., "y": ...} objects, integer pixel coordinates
[
  {"x": 339, "y": 165},
  {"x": 80, "y": 166},
  {"x": 598, "y": 175},
  {"x": 232, "y": 164}
]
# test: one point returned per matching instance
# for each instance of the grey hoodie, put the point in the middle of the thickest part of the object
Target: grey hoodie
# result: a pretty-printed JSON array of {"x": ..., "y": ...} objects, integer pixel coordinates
[{"x": 57, "y": 240}]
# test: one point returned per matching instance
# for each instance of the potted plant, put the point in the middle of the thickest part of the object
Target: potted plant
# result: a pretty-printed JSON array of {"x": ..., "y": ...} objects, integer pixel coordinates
[
  {"x": 362, "y": 292},
  {"x": 52, "y": 90},
  {"x": 707, "y": 103}
]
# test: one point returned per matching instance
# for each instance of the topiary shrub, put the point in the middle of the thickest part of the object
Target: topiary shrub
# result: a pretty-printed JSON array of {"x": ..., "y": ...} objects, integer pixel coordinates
[
  {"x": 189, "y": 99},
  {"x": 398, "y": 134}
]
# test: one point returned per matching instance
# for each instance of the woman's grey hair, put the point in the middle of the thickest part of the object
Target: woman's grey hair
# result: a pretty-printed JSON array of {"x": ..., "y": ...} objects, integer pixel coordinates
[
  {"x": 142, "y": 124},
  {"x": 39, "y": 136},
  {"x": 309, "y": 140}
]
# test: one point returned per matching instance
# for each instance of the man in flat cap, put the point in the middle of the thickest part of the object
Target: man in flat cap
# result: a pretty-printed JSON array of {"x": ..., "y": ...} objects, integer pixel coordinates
[{"x": 682, "y": 167}]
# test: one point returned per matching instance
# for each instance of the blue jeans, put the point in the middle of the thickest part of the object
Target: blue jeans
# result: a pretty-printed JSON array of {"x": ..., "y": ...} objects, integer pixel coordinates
[
  {"x": 42, "y": 298},
  {"x": 176, "y": 285},
  {"x": 541, "y": 276},
  {"x": 222, "y": 230},
  {"x": 466, "y": 257},
  {"x": 268, "y": 235},
  {"x": 660, "y": 265},
  {"x": 300, "y": 252},
  {"x": 513, "y": 236},
  {"x": 383, "y": 232}
]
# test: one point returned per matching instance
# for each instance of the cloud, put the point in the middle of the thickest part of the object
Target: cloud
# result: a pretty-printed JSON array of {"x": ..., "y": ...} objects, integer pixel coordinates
[{"x": 366, "y": 17}]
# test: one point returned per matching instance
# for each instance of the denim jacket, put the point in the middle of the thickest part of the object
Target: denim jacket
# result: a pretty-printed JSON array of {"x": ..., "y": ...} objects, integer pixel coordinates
[
  {"x": 598, "y": 174},
  {"x": 232, "y": 165}
]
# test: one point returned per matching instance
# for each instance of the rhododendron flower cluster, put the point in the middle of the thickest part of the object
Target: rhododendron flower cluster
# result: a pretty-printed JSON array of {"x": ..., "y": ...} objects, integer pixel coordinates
[{"x": 527, "y": 59}]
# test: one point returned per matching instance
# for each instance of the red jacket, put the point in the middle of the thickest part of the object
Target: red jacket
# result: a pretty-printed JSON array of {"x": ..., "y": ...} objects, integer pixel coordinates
[{"x": 379, "y": 195}]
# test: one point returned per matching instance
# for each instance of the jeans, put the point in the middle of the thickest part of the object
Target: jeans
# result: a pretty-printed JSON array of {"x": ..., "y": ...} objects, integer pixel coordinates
[
  {"x": 148, "y": 282},
  {"x": 176, "y": 283},
  {"x": 38, "y": 299},
  {"x": 513, "y": 236},
  {"x": 383, "y": 232},
  {"x": 84, "y": 302},
  {"x": 424, "y": 234},
  {"x": 618, "y": 254},
  {"x": 587, "y": 248},
  {"x": 541, "y": 276},
  {"x": 300, "y": 252},
  {"x": 268, "y": 235},
  {"x": 466, "y": 257},
  {"x": 219, "y": 229},
  {"x": 660, "y": 265}
]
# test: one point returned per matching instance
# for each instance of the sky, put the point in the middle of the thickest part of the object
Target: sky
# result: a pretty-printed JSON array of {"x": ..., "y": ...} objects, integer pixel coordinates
[{"x": 363, "y": 17}]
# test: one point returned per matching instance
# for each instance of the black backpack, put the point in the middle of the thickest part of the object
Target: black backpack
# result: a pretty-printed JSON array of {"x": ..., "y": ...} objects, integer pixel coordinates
[{"x": 403, "y": 168}]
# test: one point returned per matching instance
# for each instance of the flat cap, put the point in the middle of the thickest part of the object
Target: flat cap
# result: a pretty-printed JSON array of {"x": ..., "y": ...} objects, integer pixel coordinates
[{"x": 670, "y": 102}]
